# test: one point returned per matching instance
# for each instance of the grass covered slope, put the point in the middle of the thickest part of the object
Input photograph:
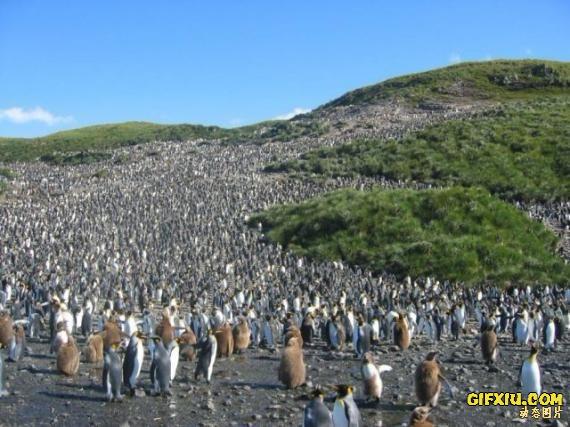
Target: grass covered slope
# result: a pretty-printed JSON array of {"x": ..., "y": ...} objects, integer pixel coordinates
[
  {"x": 457, "y": 234},
  {"x": 522, "y": 152},
  {"x": 91, "y": 144},
  {"x": 498, "y": 80},
  {"x": 101, "y": 137}
]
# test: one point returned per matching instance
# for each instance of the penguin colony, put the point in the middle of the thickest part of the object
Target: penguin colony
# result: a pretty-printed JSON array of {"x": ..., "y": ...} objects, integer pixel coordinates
[{"x": 155, "y": 265}]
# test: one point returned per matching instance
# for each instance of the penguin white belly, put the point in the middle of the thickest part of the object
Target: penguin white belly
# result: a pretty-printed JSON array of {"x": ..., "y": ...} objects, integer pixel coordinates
[
  {"x": 174, "y": 358},
  {"x": 550, "y": 335},
  {"x": 212, "y": 359},
  {"x": 138, "y": 363},
  {"x": 338, "y": 415},
  {"x": 369, "y": 371},
  {"x": 530, "y": 378},
  {"x": 522, "y": 332}
]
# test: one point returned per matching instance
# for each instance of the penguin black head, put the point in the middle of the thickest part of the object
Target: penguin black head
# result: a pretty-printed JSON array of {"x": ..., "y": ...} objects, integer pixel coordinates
[
  {"x": 318, "y": 393},
  {"x": 533, "y": 352},
  {"x": 343, "y": 390},
  {"x": 432, "y": 355}
]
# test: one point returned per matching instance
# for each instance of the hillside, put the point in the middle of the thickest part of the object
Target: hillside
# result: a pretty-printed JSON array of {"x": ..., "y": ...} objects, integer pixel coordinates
[
  {"x": 497, "y": 81},
  {"x": 492, "y": 81},
  {"x": 521, "y": 152},
  {"x": 101, "y": 137},
  {"x": 457, "y": 234},
  {"x": 89, "y": 144}
]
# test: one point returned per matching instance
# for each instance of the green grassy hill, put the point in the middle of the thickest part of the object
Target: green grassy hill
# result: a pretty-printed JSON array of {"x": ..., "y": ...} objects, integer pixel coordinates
[
  {"x": 101, "y": 137},
  {"x": 457, "y": 234},
  {"x": 499, "y": 80},
  {"x": 522, "y": 152},
  {"x": 91, "y": 144}
]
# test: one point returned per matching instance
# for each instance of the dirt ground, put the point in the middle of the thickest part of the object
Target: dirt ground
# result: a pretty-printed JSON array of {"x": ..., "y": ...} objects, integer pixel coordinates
[{"x": 245, "y": 389}]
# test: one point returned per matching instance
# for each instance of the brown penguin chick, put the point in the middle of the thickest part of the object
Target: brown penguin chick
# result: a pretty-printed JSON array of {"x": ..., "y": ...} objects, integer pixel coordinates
[
  {"x": 225, "y": 340},
  {"x": 341, "y": 333},
  {"x": 6, "y": 329},
  {"x": 293, "y": 332},
  {"x": 419, "y": 417},
  {"x": 292, "y": 366},
  {"x": 489, "y": 345},
  {"x": 187, "y": 343},
  {"x": 241, "y": 335},
  {"x": 93, "y": 352},
  {"x": 401, "y": 333},
  {"x": 68, "y": 358},
  {"x": 427, "y": 380},
  {"x": 165, "y": 330},
  {"x": 111, "y": 334}
]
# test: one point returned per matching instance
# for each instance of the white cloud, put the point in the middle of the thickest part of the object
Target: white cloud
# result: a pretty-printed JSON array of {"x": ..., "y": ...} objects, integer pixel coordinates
[
  {"x": 37, "y": 114},
  {"x": 291, "y": 114},
  {"x": 455, "y": 58}
]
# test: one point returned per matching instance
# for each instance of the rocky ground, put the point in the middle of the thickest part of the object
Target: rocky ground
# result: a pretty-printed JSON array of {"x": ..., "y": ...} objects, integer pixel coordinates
[{"x": 245, "y": 389}]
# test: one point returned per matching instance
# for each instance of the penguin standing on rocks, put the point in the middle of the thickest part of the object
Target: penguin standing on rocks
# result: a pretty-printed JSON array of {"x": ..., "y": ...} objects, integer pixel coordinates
[
  {"x": 345, "y": 412},
  {"x": 174, "y": 352},
  {"x": 489, "y": 345},
  {"x": 419, "y": 417},
  {"x": 93, "y": 352},
  {"x": 6, "y": 329},
  {"x": 208, "y": 349},
  {"x": 160, "y": 368},
  {"x": 18, "y": 344},
  {"x": 530, "y": 374},
  {"x": 428, "y": 380},
  {"x": 549, "y": 335},
  {"x": 401, "y": 333},
  {"x": 308, "y": 328},
  {"x": 316, "y": 412},
  {"x": 371, "y": 377},
  {"x": 292, "y": 366},
  {"x": 68, "y": 358},
  {"x": 241, "y": 335},
  {"x": 187, "y": 344},
  {"x": 113, "y": 374},
  {"x": 3, "y": 391},
  {"x": 225, "y": 340},
  {"x": 133, "y": 362}
]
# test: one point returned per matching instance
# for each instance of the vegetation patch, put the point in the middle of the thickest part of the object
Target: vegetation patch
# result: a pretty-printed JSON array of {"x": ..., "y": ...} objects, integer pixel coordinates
[
  {"x": 454, "y": 234},
  {"x": 520, "y": 153},
  {"x": 499, "y": 80}
]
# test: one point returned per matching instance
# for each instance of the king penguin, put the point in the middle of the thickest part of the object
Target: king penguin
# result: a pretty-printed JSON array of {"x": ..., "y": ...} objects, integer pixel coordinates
[
  {"x": 112, "y": 374},
  {"x": 133, "y": 362},
  {"x": 160, "y": 368},
  {"x": 401, "y": 333},
  {"x": 371, "y": 377},
  {"x": 174, "y": 352},
  {"x": 316, "y": 412},
  {"x": 68, "y": 358},
  {"x": 292, "y": 367},
  {"x": 345, "y": 412},
  {"x": 3, "y": 391},
  {"x": 530, "y": 374},
  {"x": 549, "y": 335},
  {"x": 208, "y": 348},
  {"x": 428, "y": 380},
  {"x": 489, "y": 345}
]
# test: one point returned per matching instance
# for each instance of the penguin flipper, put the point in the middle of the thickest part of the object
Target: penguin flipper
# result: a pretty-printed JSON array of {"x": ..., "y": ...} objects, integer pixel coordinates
[{"x": 447, "y": 385}]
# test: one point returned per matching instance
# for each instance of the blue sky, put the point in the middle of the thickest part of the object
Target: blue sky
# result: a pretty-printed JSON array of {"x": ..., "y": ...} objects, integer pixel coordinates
[{"x": 67, "y": 64}]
